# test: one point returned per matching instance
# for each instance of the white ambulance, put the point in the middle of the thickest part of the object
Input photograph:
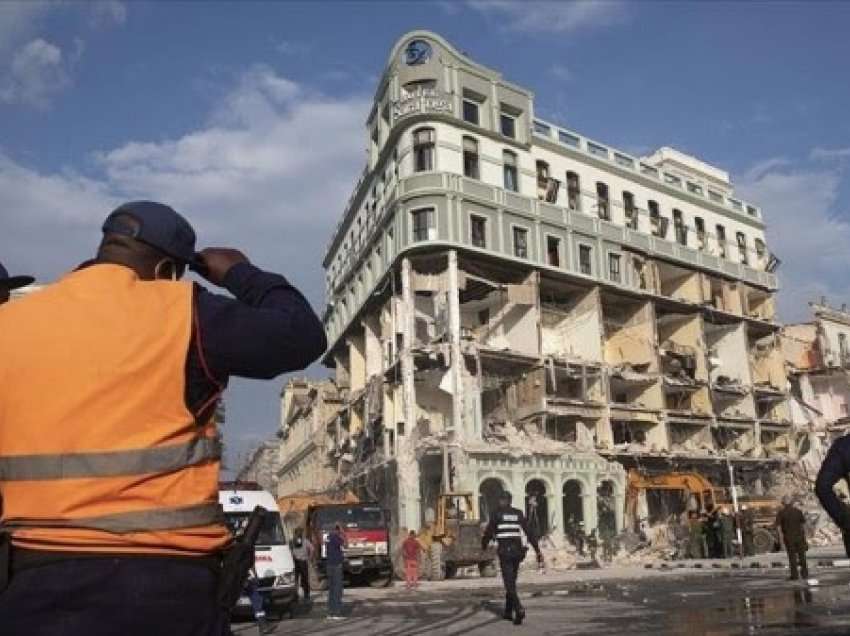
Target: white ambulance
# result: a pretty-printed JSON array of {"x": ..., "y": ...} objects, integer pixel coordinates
[{"x": 272, "y": 557}]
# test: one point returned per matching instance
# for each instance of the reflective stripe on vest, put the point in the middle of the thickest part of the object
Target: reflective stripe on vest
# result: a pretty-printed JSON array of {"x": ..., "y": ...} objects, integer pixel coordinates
[
  {"x": 139, "y": 521},
  {"x": 160, "y": 459}
]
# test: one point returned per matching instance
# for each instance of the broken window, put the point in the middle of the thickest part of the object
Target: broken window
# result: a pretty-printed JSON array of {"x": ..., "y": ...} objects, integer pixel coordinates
[
  {"x": 520, "y": 242},
  {"x": 679, "y": 227},
  {"x": 507, "y": 124},
  {"x": 658, "y": 225},
  {"x": 573, "y": 191},
  {"x": 423, "y": 149},
  {"x": 423, "y": 224},
  {"x": 470, "y": 111},
  {"x": 547, "y": 188},
  {"x": 553, "y": 251},
  {"x": 585, "y": 255},
  {"x": 700, "y": 227},
  {"x": 761, "y": 248},
  {"x": 742, "y": 247},
  {"x": 721, "y": 241},
  {"x": 470, "y": 158},
  {"x": 602, "y": 202},
  {"x": 510, "y": 171},
  {"x": 630, "y": 210},
  {"x": 478, "y": 230},
  {"x": 614, "y": 267},
  {"x": 628, "y": 433},
  {"x": 842, "y": 348}
]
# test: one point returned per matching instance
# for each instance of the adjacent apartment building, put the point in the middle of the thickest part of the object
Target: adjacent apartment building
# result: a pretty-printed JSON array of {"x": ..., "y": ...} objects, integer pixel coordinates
[{"x": 512, "y": 305}]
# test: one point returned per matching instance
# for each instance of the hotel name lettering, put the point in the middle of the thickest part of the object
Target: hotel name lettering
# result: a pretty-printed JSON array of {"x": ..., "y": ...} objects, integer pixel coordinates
[{"x": 422, "y": 101}]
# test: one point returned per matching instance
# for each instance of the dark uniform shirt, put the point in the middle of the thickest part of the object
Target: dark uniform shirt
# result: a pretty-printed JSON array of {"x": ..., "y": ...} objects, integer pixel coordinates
[
  {"x": 506, "y": 526},
  {"x": 836, "y": 466},
  {"x": 793, "y": 525}
]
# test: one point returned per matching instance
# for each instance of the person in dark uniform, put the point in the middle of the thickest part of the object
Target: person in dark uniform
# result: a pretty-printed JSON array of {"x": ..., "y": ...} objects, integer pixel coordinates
[
  {"x": 8, "y": 283},
  {"x": 792, "y": 530},
  {"x": 836, "y": 466},
  {"x": 507, "y": 525}
]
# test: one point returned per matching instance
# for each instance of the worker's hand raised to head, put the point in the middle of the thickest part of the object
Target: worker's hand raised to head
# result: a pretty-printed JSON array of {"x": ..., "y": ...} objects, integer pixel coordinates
[{"x": 219, "y": 260}]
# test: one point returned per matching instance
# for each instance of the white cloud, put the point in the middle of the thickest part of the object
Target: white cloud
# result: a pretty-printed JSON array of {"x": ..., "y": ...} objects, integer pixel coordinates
[
  {"x": 105, "y": 13},
  {"x": 553, "y": 17},
  {"x": 827, "y": 154},
  {"x": 270, "y": 172},
  {"x": 805, "y": 230},
  {"x": 561, "y": 72},
  {"x": 37, "y": 73}
]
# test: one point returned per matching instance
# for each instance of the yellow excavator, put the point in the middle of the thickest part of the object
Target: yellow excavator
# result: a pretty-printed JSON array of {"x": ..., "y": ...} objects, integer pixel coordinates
[
  {"x": 453, "y": 540},
  {"x": 763, "y": 509}
]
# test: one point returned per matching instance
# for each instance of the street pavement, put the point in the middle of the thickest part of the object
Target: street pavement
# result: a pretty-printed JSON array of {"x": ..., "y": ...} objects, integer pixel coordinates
[{"x": 713, "y": 602}]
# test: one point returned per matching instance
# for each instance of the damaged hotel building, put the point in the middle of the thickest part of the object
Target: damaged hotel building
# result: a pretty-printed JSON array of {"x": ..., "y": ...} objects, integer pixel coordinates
[{"x": 513, "y": 305}]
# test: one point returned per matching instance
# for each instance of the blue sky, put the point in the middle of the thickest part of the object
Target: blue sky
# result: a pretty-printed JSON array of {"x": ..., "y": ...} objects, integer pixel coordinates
[{"x": 248, "y": 118}]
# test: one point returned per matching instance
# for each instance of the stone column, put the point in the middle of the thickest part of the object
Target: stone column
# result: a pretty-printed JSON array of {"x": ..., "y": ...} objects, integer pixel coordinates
[{"x": 407, "y": 464}]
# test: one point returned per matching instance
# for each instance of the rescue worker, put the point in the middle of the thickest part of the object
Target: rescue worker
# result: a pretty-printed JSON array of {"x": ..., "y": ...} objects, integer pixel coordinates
[
  {"x": 791, "y": 525},
  {"x": 727, "y": 533},
  {"x": 8, "y": 283},
  {"x": 109, "y": 453},
  {"x": 695, "y": 536},
  {"x": 748, "y": 531},
  {"x": 507, "y": 526},
  {"x": 302, "y": 554},
  {"x": 835, "y": 467}
]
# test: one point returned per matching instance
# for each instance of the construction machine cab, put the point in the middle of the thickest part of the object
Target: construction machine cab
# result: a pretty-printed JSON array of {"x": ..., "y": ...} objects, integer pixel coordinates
[{"x": 453, "y": 540}]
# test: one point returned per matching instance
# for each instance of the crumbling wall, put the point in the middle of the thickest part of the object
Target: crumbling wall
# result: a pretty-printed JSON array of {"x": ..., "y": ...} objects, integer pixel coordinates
[
  {"x": 572, "y": 326},
  {"x": 767, "y": 362},
  {"x": 505, "y": 319},
  {"x": 357, "y": 361},
  {"x": 799, "y": 346},
  {"x": 629, "y": 333},
  {"x": 433, "y": 400},
  {"x": 758, "y": 303},
  {"x": 678, "y": 283},
  {"x": 721, "y": 294}
]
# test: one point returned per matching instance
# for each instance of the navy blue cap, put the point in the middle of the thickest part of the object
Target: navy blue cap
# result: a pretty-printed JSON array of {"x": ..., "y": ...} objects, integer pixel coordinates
[
  {"x": 13, "y": 282},
  {"x": 156, "y": 225}
]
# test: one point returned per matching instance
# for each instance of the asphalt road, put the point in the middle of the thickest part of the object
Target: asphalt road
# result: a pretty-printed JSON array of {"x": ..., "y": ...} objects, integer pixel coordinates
[{"x": 715, "y": 604}]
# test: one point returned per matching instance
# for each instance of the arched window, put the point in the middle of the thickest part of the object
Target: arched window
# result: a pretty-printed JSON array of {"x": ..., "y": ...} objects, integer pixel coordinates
[
  {"x": 488, "y": 497},
  {"x": 537, "y": 507},
  {"x": 573, "y": 510},
  {"x": 423, "y": 149},
  {"x": 606, "y": 504}
]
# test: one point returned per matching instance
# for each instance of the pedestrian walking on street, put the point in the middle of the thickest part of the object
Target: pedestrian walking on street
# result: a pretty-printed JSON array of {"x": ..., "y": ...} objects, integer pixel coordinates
[
  {"x": 109, "y": 450},
  {"x": 302, "y": 554},
  {"x": 335, "y": 550},
  {"x": 507, "y": 526},
  {"x": 792, "y": 531},
  {"x": 8, "y": 283},
  {"x": 410, "y": 551},
  {"x": 727, "y": 533},
  {"x": 835, "y": 467}
]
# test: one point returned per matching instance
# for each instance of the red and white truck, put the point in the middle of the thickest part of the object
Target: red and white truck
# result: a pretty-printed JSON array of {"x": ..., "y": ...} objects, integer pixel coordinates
[{"x": 367, "y": 540}]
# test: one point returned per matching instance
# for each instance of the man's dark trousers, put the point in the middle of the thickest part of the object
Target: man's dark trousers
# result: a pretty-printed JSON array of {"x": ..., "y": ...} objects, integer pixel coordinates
[
  {"x": 302, "y": 571},
  {"x": 104, "y": 596},
  {"x": 335, "y": 607},
  {"x": 796, "y": 551},
  {"x": 509, "y": 563}
]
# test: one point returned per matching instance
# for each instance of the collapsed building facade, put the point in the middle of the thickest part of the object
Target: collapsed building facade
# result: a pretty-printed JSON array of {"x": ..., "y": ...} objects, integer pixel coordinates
[
  {"x": 817, "y": 355},
  {"x": 514, "y": 306}
]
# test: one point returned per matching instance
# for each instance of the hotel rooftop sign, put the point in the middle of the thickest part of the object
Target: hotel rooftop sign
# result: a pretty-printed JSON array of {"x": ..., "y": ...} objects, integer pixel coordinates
[{"x": 424, "y": 100}]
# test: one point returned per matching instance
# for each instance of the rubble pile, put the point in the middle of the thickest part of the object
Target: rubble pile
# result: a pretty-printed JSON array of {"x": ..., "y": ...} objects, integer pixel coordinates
[
  {"x": 558, "y": 552},
  {"x": 797, "y": 480},
  {"x": 658, "y": 543}
]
